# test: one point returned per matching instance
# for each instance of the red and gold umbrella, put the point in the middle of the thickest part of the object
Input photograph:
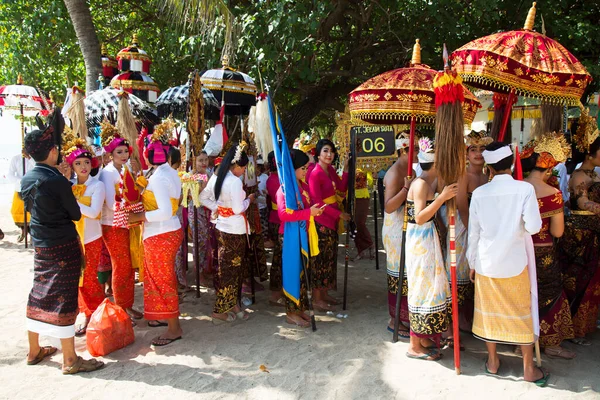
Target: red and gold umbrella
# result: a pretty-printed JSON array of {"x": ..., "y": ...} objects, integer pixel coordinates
[
  {"x": 401, "y": 95},
  {"x": 524, "y": 63}
]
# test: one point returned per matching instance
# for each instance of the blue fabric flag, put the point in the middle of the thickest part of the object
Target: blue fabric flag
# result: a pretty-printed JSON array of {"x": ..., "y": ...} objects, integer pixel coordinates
[{"x": 295, "y": 238}]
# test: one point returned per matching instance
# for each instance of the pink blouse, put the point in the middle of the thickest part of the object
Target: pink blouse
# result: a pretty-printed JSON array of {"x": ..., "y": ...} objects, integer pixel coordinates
[
  {"x": 321, "y": 187},
  {"x": 293, "y": 215}
]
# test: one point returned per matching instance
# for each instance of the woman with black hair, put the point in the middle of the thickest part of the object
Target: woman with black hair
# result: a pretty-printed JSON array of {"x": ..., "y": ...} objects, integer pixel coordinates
[
  {"x": 579, "y": 248},
  {"x": 326, "y": 188},
  {"x": 232, "y": 232},
  {"x": 539, "y": 159}
]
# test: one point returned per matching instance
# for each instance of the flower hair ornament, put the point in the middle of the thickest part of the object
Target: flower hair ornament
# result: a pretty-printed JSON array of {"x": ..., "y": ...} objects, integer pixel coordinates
[
  {"x": 241, "y": 147},
  {"x": 426, "y": 150},
  {"x": 475, "y": 138}
]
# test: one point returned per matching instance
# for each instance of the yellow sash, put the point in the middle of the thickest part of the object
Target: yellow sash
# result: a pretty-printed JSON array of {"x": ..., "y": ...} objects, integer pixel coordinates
[
  {"x": 335, "y": 199},
  {"x": 273, "y": 206},
  {"x": 313, "y": 238},
  {"x": 149, "y": 202}
]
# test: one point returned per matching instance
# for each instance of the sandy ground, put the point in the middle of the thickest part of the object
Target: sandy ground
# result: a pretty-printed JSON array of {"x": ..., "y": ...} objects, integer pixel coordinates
[{"x": 347, "y": 358}]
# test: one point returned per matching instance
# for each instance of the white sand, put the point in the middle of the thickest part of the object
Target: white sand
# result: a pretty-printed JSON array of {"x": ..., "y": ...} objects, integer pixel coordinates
[{"x": 346, "y": 358}]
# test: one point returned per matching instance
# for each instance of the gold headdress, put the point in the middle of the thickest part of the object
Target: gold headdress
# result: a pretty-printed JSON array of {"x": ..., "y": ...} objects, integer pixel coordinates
[
  {"x": 74, "y": 147},
  {"x": 164, "y": 131},
  {"x": 480, "y": 138},
  {"x": 110, "y": 136},
  {"x": 587, "y": 131},
  {"x": 308, "y": 144},
  {"x": 552, "y": 149},
  {"x": 241, "y": 147}
]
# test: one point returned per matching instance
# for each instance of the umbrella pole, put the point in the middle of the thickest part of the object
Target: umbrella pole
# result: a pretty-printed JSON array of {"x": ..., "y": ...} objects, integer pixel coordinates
[
  {"x": 506, "y": 116},
  {"x": 346, "y": 259},
  {"x": 196, "y": 251},
  {"x": 24, "y": 164},
  {"x": 403, "y": 240},
  {"x": 455, "y": 320},
  {"x": 376, "y": 244}
]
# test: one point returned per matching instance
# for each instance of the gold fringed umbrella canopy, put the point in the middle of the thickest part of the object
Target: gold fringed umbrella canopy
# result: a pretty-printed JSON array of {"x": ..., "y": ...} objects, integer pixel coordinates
[
  {"x": 396, "y": 96},
  {"x": 526, "y": 62}
]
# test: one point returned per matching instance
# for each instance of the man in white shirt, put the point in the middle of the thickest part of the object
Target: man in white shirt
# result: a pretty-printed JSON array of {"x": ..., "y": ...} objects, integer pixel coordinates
[{"x": 502, "y": 217}]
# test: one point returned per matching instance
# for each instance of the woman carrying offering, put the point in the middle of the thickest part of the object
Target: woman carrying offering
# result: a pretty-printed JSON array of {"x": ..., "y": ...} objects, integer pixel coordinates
[
  {"x": 232, "y": 233},
  {"x": 115, "y": 237},
  {"x": 539, "y": 158},
  {"x": 89, "y": 193},
  {"x": 295, "y": 314},
  {"x": 162, "y": 237},
  {"x": 323, "y": 184}
]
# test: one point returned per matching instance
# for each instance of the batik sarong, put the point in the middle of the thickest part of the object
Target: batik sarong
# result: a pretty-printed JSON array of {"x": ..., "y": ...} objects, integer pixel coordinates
[
  {"x": 52, "y": 305},
  {"x": 161, "y": 300},
  {"x": 117, "y": 243},
  {"x": 363, "y": 239},
  {"x": 391, "y": 234},
  {"x": 556, "y": 323},
  {"x": 91, "y": 292},
  {"x": 275, "y": 274},
  {"x": 428, "y": 288},
  {"x": 324, "y": 265},
  {"x": 502, "y": 311},
  {"x": 230, "y": 272},
  {"x": 579, "y": 256},
  {"x": 207, "y": 239},
  {"x": 181, "y": 254}
]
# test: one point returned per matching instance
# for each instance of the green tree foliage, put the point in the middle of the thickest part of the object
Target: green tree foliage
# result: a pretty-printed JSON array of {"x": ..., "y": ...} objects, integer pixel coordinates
[{"x": 311, "y": 53}]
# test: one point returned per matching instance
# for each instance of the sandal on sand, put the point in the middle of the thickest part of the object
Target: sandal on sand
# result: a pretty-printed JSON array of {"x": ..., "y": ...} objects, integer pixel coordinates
[
  {"x": 158, "y": 341},
  {"x": 219, "y": 321},
  {"x": 543, "y": 381},
  {"x": 302, "y": 323},
  {"x": 401, "y": 333},
  {"x": 82, "y": 365},
  {"x": 242, "y": 315},
  {"x": 156, "y": 324},
  {"x": 487, "y": 371},
  {"x": 581, "y": 341},
  {"x": 134, "y": 314},
  {"x": 554, "y": 352},
  {"x": 430, "y": 356},
  {"x": 44, "y": 352},
  {"x": 279, "y": 303},
  {"x": 81, "y": 330}
]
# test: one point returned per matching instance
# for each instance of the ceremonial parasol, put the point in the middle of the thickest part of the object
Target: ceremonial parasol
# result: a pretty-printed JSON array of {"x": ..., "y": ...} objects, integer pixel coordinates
[
  {"x": 26, "y": 100},
  {"x": 400, "y": 96},
  {"x": 109, "y": 66},
  {"x": 105, "y": 103},
  {"x": 235, "y": 89},
  {"x": 525, "y": 63},
  {"x": 174, "y": 101},
  {"x": 134, "y": 64}
]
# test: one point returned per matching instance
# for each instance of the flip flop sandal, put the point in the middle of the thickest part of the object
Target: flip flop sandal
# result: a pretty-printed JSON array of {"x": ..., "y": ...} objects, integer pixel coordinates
[
  {"x": 81, "y": 331},
  {"x": 82, "y": 365},
  {"x": 427, "y": 356},
  {"x": 450, "y": 344},
  {"x": 279, "y": 303},
  {"x": 242, "y": 315},
  {"x": 303, "y": 324},
  {"x": 159, "y": 342},
  {"x": 157, "y": 324},
  {"x": 219, "y": 321},
  {"x": 44, "y": 352},
  {"x": 543, "y": 381},
  {"x": 581, "y": 342},
  {"x": 487, "y": 371},
  {"x": 552, "y": 353},
  {"x": 401, "y": 333},
  {"x": 135, "y": 315}
]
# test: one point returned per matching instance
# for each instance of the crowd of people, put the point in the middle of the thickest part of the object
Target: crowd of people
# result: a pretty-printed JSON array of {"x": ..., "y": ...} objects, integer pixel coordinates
[{"x": 527, "y": 262}]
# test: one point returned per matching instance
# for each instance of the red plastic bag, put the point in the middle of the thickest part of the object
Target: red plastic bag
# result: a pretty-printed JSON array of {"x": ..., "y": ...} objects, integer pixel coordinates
[{"x": 110, "y": 329}]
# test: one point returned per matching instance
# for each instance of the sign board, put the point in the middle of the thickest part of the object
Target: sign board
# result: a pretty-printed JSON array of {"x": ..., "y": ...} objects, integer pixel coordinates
[{"x": 374, "y": 141}]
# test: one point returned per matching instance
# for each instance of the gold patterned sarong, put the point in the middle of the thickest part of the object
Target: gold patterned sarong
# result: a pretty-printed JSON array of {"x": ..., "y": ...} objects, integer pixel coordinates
[{"x": 503, "y": 309}]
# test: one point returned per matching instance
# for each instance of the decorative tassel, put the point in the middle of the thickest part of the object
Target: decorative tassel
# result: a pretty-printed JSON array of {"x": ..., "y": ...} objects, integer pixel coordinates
[
  {"x": 450, "y": 158},
  {"x": 76, "y": 113},
  {"x": 261, "y": 126},
  {"x": 126, "y": 125}
]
